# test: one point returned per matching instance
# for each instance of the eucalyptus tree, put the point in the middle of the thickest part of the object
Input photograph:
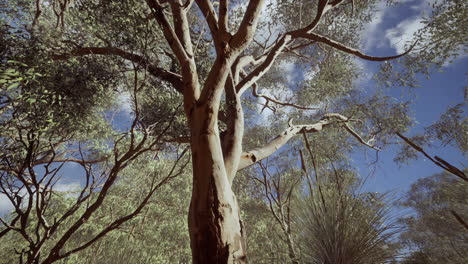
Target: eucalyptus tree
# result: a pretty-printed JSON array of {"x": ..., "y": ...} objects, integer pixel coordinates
[
  {"x": 432, "y": 233},
  {"x": 208, "y": 54}
]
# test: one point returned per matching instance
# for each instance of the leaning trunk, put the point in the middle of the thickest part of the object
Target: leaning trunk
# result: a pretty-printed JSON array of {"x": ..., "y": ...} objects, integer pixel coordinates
[{"x": 216, "y": 234}]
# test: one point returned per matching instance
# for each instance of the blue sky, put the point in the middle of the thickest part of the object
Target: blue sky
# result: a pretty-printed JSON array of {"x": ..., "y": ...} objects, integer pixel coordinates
[
  {"x": 391, "y": 28},
  {"x": 432, "y": 99}
]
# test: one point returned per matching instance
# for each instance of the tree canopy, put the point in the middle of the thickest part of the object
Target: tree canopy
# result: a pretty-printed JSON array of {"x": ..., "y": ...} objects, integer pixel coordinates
[{"x": 134, "y": 87}]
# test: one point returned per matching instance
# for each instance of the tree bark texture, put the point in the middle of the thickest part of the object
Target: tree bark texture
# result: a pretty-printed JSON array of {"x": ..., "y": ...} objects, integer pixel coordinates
[{"x": 216, "y": 232}]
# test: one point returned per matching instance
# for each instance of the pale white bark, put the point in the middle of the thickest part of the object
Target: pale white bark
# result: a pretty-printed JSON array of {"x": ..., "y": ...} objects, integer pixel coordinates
[
  {"x": 215, "y": 226},
  {"x": 253, "y": 156}
]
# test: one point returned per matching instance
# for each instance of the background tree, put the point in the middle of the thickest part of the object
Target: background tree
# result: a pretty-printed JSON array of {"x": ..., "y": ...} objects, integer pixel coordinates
[
  {"x": 433, "y": 233},
  {"x": 320, "y": 215},
  {"x": 157, "y": 235},
  {"x": 53, "y": 115}
]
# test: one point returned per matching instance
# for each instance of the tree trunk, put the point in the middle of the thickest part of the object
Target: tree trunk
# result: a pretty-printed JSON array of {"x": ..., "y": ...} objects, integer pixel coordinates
[
  {"x": 291, "y": 252},
  {"x": 216, "y": 233}
]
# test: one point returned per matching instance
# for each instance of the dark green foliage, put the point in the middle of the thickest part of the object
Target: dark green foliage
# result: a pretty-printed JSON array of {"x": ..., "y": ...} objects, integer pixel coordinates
[{"x": 64, "y": 98}]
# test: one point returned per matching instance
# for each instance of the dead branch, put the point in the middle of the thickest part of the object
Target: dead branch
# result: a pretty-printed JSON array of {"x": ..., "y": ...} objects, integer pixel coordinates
[{"x": 436, "y": 160}]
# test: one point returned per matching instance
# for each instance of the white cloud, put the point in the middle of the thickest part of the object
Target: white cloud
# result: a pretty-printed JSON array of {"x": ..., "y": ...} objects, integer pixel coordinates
[
  {"x": 366, "y": 72},
  {"x": 124, "y": 102},
  {"x": 5, "y": 205},
  {"x": 372, "y": 30},
  {"x": 403, "y": 33},
  {"x": 375, "y": 32},
  {"x": 66, "y": 187}
]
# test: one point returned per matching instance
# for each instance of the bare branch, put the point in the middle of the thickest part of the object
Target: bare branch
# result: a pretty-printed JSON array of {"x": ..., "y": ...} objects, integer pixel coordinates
[
  {"x": 358, "y": 137},
  {"x": 257, "y": 94},
  {"x": 459, "y": 219},
  {"x": 346, "y": 49},
  {"x": 248, "y": 25},
  {"x": 436, "y": 160},
  {"x": 251, "y": 157}
]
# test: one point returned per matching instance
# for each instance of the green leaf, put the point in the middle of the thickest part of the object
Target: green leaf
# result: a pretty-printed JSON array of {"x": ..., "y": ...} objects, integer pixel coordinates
[{"x": 12, "y": 86}]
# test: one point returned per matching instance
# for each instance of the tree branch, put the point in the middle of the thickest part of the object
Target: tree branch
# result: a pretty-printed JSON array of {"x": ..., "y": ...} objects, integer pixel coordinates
[
  {"x": 346, "y": 49},
  {"x": 322, "y": 8},
  {"x": 257, "y": 94},
  {"x": 248, "y": 25},
  {"x": 251, "y": 157},
  {"x": 165, "y": 75},
  {"x": 211, "y": 18},
  {"x": 459, "y": 219},
  {"x": 436, "y": 160},
  {"x": 223, "y": 16},
  {"x": 358, "y": 137},
  {"x": 181, "y": 27},
  {"x": 263, "y": 68},
  {"x": 171, "y": 36},
  {"x": 232, "y": 137}
]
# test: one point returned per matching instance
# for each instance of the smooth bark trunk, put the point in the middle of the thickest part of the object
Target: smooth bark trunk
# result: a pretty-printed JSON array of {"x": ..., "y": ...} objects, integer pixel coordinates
[{"x": 216, "y": 232}]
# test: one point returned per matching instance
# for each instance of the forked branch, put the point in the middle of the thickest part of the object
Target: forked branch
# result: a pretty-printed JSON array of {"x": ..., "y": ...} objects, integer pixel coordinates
[{"x": 251, "y": 157}]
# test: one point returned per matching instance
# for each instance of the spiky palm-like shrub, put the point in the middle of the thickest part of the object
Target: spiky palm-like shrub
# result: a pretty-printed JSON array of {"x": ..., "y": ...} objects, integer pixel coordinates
[{"x": 343, "y": 227}]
